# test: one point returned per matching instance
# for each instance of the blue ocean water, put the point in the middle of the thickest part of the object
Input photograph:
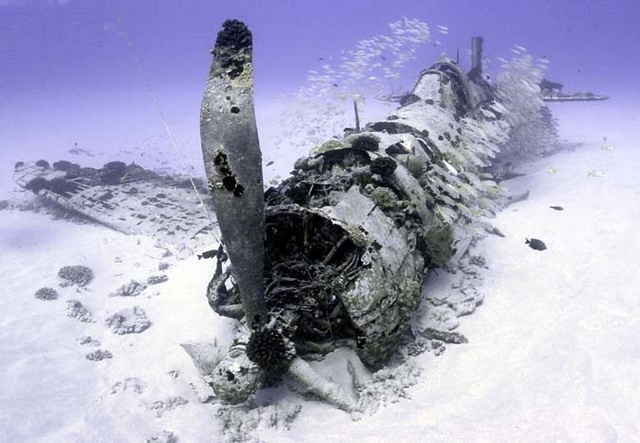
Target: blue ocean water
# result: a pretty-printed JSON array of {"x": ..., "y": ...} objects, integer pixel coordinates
[
  {"x": 75, "y": 72},
  {"x": 72, "y": 45}
]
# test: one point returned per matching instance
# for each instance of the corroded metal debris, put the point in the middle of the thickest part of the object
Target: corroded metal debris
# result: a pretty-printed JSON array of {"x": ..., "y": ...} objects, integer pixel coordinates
[
  {"x": 349, "y": 237},
  {"x": 233, "y": 161}
]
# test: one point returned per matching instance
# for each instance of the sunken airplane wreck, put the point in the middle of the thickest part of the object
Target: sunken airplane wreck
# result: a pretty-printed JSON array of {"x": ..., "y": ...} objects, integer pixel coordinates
[{"x": 335, "y": 256}]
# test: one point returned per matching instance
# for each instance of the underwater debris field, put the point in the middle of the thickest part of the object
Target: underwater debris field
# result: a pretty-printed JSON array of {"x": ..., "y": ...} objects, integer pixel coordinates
[
  {"x": 552, "y": 352},
  {"x": 110, "y": 331}
]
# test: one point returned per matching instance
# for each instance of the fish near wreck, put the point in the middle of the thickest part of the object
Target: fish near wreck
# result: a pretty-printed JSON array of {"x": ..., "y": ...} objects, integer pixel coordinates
[
  {"x": 536, "y": 244},
  {"x": 343, "y": 245}
]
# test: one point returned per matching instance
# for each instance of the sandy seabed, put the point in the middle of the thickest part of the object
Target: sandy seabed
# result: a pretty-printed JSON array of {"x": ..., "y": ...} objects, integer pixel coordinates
[{"x": 553, "y": 352}]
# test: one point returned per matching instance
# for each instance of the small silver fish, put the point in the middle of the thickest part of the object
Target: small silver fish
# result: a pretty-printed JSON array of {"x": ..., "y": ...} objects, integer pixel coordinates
[
  {"x": 536, "y": 244},
  {"x": 557, "y": 208}
]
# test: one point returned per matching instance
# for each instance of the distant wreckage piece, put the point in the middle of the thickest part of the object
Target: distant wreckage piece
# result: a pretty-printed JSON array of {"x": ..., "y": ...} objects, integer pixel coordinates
[
  {"x": 126, "y": 198},
  {"x": 552, "y": 92}
]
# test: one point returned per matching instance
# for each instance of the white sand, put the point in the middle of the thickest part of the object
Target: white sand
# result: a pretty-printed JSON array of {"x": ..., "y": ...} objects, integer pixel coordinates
[{"x": 554, "y": 352}]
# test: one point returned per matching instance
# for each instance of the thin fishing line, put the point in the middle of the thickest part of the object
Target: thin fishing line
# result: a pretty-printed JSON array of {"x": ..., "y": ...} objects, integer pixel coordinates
[{"x": 165, "y": 123}]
